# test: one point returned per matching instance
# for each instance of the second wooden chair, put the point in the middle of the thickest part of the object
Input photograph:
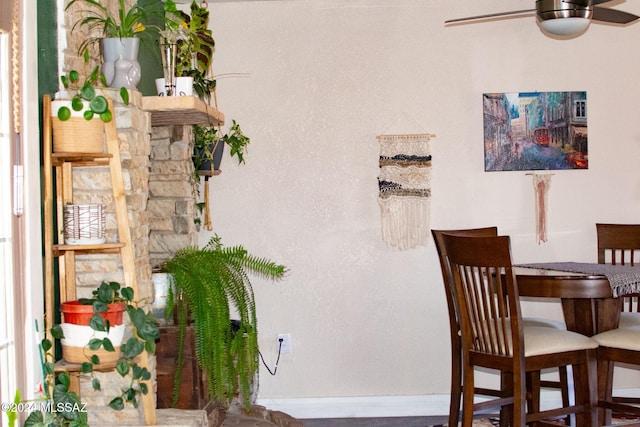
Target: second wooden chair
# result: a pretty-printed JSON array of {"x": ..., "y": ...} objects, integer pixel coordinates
[
  {"x": 456, "y": 339},
  {"x": 493, "y": 335}
]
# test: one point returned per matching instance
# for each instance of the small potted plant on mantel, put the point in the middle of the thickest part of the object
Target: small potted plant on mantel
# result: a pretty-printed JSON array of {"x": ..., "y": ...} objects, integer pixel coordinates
[{"x": 118, "y": 34}]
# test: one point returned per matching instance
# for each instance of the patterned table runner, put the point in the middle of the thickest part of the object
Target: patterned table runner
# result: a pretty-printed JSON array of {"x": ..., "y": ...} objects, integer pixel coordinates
[{"x": 624, "y": 279}]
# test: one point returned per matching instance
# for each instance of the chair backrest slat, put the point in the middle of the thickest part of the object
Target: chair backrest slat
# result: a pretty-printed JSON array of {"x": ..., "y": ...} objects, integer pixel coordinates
[
  {"x": 620, "y": 244},
  {"x": 487, "y": 294},
  {"x": 446, "y": 270}
]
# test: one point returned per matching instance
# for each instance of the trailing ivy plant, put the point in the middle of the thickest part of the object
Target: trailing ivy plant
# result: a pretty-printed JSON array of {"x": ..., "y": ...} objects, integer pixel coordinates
[
  {"x": 145, "y": 334},
  {"x": 210, "y": 281}
]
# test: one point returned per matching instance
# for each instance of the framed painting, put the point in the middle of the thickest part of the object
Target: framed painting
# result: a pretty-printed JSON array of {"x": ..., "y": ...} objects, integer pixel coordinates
[{"x": 535, "y": 131}]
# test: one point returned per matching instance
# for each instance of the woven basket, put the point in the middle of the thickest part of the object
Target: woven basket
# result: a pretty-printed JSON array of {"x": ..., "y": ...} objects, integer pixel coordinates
[
  {"x": 82, "y": 354},
  {"x": 78, "y": 135},
  {"x": 84, "y": 224}
]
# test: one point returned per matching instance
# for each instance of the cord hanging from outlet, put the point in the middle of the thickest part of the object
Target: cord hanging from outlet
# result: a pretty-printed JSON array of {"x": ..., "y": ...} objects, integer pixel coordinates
[{"x": 275, "y": 368}]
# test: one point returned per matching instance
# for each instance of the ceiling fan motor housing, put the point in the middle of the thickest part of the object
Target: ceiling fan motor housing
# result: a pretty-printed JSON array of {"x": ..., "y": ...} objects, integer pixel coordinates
[{"x": 554, "y": 9}]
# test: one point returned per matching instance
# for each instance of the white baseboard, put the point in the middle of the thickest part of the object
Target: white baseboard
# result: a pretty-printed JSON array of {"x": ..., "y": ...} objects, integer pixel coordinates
[
  {"x": 381, "y": 406},
  {"x": 360, "y": 407}
]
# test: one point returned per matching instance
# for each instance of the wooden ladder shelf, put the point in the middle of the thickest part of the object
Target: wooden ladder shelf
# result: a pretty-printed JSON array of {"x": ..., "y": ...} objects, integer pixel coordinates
[{"x": 60, "y": 166}]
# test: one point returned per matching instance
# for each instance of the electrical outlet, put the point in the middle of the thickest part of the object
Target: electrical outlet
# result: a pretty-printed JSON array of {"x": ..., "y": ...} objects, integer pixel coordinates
[{"x": 286, "y": 343}]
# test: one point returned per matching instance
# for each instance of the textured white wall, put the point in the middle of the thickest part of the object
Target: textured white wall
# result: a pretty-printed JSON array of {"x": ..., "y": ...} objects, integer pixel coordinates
[{"x": 324, "y": 78}]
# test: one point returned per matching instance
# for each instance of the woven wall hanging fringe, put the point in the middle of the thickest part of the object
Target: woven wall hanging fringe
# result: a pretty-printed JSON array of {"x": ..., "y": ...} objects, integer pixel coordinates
[
  {"x": 405, "y": 189},
  {"x": 541, "y": 183}
]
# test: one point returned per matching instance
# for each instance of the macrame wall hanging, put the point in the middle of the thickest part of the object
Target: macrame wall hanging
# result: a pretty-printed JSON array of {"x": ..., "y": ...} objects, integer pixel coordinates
[
  {"x": 405, "y": 189},
  {"x": 541, "y": 183}
]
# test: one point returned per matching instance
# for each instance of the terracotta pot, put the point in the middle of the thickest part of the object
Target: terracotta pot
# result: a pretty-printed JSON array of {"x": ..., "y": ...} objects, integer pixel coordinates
[{"x": 80, "y": 314}]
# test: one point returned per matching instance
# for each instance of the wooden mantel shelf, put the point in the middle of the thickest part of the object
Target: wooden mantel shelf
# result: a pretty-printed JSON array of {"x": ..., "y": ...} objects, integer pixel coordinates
[{"x": 180, "y": 110}]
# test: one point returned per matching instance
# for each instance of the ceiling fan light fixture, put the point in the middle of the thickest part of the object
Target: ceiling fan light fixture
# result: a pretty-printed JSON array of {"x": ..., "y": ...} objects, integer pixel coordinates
[{"x": 565, "y": 26}]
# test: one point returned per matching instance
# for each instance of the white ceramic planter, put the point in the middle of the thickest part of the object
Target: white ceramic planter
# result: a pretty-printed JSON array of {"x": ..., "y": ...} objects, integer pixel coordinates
[
  {"x": 121, "y": 67},
  {"x": 76, "y": 338}
]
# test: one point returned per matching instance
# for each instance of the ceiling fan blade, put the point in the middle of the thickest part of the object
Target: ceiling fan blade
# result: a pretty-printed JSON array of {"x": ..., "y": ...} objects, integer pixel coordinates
[
  {"x": 604, "y": 14},
  {"x": 489, "y": 15},
  {"x": 585, "y": 3}
]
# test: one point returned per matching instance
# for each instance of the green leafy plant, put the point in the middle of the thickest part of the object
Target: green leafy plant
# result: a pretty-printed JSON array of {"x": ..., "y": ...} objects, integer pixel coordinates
[
  {"x": 64, "y": 407},
  {"x": 101, "y": 22},
  {"x": 84, "y": 92},
  {"x": 210, "y": 281},
  {"x": 207, "y": 138},
  {"x": 195, "y": 49},
  {"x": 202, "y": 85},
  {"x": 145, "y": 334}
]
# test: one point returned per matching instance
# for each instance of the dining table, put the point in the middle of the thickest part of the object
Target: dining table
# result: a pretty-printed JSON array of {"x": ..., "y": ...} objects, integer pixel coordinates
[{"x": 591, "y": 296}]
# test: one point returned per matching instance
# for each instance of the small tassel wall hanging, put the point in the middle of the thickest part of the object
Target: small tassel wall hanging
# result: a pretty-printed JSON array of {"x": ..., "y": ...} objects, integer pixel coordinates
[
  {"x": 405, "y": 189},
  {"x": 541, "y": 183}
]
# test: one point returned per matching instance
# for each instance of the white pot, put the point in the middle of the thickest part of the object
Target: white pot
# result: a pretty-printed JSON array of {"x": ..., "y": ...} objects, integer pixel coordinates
[
  {"x": 121, "y": 67},
  {"x": 76, "y": 339}
]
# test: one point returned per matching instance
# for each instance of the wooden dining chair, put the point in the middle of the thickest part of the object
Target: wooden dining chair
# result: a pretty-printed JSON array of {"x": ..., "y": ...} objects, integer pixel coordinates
[
  {"x": 620, "y": 244},
  {"x": 456, "y": 339},
  {"x": 620, "y": 345},
  {"x": 494, "y": 337}
]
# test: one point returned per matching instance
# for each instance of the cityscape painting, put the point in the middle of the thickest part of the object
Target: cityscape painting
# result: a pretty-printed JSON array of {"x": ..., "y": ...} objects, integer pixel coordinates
[{"x": 535, "y": 131}]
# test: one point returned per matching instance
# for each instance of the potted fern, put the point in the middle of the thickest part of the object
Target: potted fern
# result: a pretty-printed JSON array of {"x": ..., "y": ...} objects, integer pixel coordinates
[{"x": 209, "y": 282}]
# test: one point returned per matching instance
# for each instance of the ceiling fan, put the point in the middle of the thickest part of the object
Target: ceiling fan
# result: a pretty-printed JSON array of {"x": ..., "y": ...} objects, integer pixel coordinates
[{"x": 564, "y": 17}]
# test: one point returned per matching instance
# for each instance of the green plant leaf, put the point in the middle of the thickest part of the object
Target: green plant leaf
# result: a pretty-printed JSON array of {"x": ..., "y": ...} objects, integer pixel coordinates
[
  {"x": 95, "y": 344},
  {"x": 88, "y": 92},
  {"x": 150, "y": 346},
  {"x": 49, "y": 368},
  {"x": 137, "y": 316},
  {"x": 77, "y": 104},
  {"x": 99, "y": 104},
  {"x": 127, "y": 293},
  {"x": 107, "y": 344},
  {"x": 64, "y": 379},
  {"x": 117, "y": 404},
  {"x": 107, "y": 116},
  {"x": 100, "y": 306},
  {"x": 124, "y": 94},
  {"x": 95, "y": 359},
  {"x": 64, "y": 114},
  {"x": 35, "y": 419},
  {"x": 88, "y": 115},
  {"x": 97, "y": 323},
  {"x": 122, "y": 367},
  {"x": 86, "y": 367},
  {"x": 46, "y": 345},
  {"x": 131, "y": 348},
  {"x": 95, "y": 383},
  {"x": 74, "y": 76}
]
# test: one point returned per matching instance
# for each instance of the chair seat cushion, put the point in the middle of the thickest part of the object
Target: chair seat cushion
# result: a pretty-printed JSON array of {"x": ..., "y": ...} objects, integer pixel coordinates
[
  {"x": 543, "y": 340},
  {"x": 624, "y": 337},
  {"x": 629, "y": 319},
  {"x": 546, "y": 323}
]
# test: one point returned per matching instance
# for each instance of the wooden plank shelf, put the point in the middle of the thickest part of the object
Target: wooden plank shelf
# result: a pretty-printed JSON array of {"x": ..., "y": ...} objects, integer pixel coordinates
[
  {"x": 180, "y": 110},
  {"x": 104, "y": 248},
  {"x": 80, "y": 159}
]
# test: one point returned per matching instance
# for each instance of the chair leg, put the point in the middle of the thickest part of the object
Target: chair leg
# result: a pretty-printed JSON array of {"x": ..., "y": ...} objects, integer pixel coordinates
[
  {"x": 564, "y": 390},
  {"x": 456, "y": 382},
  {"x": 585, "y": 377}
]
